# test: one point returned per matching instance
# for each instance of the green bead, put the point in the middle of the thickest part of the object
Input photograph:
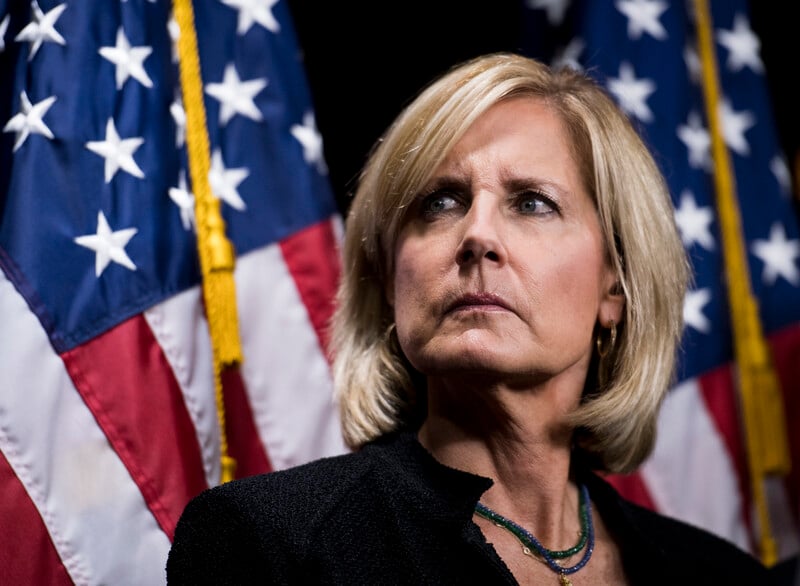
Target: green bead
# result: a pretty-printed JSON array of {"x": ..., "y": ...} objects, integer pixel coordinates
[{"x": 557, "y": 554}]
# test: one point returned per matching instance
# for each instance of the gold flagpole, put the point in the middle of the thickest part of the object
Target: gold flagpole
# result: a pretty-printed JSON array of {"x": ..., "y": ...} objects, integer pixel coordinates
[
  {"x": 760, "y": 395},
  {"x": 217, "y": 258}
]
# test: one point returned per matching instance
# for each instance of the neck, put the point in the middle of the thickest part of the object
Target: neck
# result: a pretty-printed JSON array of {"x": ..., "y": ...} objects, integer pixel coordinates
[{"x": 492, "y": 433}]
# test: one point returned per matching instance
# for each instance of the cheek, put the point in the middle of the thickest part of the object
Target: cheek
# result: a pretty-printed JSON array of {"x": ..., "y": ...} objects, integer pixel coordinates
[
  {"x": 417, "y": 264},
  {"x": 417, "y": 289},
  {"x": 409, "y": 318},
  {"x": 413, "y": 290},
  {"x": 406, "y": 279},
  {"x": 574, "y": 285},
  {"x": 402, "y": 274}
]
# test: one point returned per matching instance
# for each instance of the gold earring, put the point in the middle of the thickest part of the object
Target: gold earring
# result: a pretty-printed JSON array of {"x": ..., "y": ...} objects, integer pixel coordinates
[{"x": 612, "y": 340}]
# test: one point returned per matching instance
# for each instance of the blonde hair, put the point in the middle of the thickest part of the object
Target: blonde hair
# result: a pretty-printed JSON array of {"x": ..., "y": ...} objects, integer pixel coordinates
[{"x": 374, "y": 384}]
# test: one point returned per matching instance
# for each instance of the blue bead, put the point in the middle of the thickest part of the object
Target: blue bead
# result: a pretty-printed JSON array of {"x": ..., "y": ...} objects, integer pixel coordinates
[{"x": 529, "y": 540}]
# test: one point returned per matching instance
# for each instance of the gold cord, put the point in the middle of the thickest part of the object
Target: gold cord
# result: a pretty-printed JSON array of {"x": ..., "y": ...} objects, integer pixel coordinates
[
  {"x": 217, "y": 257},
  {"x": 762, "y": 403}
]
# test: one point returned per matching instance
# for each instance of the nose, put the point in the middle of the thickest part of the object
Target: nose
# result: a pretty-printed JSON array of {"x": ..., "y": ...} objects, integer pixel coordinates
[{"x": 482, "y": 234}]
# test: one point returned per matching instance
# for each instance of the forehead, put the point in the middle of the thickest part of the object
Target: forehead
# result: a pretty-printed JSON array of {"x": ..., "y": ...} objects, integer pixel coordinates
[
  {"x": 522, "y": 134},
  {"x": 523, "y": 113}
]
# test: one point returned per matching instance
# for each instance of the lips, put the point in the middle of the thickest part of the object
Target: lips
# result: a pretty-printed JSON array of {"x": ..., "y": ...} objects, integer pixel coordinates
[{"x": 478, "y": 301}]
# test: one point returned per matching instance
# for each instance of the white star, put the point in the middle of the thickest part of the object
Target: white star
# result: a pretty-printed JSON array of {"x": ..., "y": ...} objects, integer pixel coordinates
[
  {"x": 184, "y": 199},
  {"x": 643, "y": 17},
  {"x": 693, "y": 65},
  {"x": 179, "y": 116},
  {"x": 569, "y": 56},
  {"x": 693, "y": 305},
  {"x": 734, "y": 125},
  {"x": 311, "y": 140},
  {"x": 174, "y": 34},
  {"x": 778, "y": 255},
  {"x": 108, "y": 245},
  {"x": 225, "y": 182},
  {"x": 42, "y": 28},
  {"x": 694, "y": 222},
  {"x": 782, "y": 174},
  {"x": 236, "y": 96},
  {"x": 632, "y": 93},
  {"x": 555, "y": 9},
  {"x": 3, "y": 30},
  {"x": 251, "y": 11},
  {"x": 117, "y": 152},
  {"x": 697, "y": 141},
  {"x": 742, "y": 44},
  {"x": 29, "y": 119},
  {"x": 129, "y": 60}
]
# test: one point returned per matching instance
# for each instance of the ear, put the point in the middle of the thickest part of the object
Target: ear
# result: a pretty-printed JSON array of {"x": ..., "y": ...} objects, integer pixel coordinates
[{"x": 612, "y": 301}]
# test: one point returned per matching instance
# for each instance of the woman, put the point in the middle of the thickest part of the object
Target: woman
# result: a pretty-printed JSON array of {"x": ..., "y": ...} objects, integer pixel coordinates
[{"x": 506, "y": 328}]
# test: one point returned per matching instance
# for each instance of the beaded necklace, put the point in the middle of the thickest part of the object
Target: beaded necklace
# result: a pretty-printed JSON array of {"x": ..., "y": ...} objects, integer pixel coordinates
[{"x": 531, "y": 546}]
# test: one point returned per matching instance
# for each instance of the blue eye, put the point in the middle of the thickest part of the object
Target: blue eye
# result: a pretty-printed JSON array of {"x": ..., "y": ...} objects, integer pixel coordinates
[
  {"x": 437, "y": 203},
  {"x": 535, "y": 204}
]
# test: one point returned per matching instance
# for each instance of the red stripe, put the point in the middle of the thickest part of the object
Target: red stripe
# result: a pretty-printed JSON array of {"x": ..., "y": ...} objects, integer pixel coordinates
[
  {"x": 312, "y": 256},
  {"x": 786, "y": 356},
  {"x": 717, "y": 387},
  {"x": 127, "y": 383},
  {"x": 244, "y": 444},
  {"x": 633, "y": 488},
  {"x": 718, "y": 391},
  {"x": 27, "y": 554}
]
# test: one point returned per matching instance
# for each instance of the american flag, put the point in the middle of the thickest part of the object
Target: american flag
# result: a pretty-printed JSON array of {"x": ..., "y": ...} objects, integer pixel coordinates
[
  {"x": 108, "y": 420},
  {"x": 646, "y": 53}
]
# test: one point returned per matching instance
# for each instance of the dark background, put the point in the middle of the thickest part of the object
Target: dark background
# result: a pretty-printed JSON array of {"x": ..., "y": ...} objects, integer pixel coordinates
[{"x": 365, "y": 60}]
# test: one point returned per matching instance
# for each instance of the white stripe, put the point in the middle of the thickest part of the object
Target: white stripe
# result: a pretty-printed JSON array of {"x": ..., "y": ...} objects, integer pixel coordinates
[
  {"x": 286, "y": 374},
  {"x": 690, "y": 474},
  {"x": 181, "y": 330},
  {"x": 337, "y": 227},
  {"x": 783, "y": 522},
  {"x": 289, "y": 390},
  {"x": 96, "y": 516}
]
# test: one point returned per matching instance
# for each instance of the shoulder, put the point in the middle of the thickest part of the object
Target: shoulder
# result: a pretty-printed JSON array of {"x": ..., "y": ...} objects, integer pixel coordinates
[
  {"x": 672, "y": 549},
  {"x": 317, "y": 519},
  {"x": 268, "y": 499},
  {"x": 701, "y": 552},
  {"x": 679, "y": 538},
  {"x": 314, "y": 489},
  {"x": 260, "y": 527}
]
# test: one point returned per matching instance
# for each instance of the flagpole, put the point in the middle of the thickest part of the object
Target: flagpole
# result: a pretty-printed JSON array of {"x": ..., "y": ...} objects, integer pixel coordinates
[
  {"x": 761, "y": 400},
  {"x": 217, "y": 257}
]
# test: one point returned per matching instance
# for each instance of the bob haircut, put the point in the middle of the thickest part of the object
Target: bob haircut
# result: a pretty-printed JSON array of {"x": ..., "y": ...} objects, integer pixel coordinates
[{"x": 377, "y": 389}]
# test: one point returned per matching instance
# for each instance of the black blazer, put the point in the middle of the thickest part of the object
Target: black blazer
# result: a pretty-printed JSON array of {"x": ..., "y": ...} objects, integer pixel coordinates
[{"x": 392, "y": 514}]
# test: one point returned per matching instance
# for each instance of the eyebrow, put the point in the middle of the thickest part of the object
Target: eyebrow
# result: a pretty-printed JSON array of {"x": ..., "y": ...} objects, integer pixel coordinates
[
  {"x": 445, "y": 182},
  {"x": 511, "y": 184},
  {"x": 520, "y": 184}
]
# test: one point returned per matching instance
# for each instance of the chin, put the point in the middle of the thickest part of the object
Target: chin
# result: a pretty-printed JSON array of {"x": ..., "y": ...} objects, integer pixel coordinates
[
  {"x": 459, "y": 362},
  {"x": 473, "y": 351}
]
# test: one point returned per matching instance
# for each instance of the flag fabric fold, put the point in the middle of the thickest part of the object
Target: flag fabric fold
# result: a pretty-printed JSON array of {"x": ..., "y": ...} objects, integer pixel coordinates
[{"x": 108, "y": 421}]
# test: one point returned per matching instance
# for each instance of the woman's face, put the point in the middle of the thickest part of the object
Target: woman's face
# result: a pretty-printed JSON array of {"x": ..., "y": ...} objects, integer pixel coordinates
[{"x": 499, "y": 265}]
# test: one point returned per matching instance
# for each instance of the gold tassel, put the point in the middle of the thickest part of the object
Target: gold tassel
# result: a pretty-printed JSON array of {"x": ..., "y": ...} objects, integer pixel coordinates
[
  {"x": 761, "y": 399},
  {"x": 217, "y": 257}
]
